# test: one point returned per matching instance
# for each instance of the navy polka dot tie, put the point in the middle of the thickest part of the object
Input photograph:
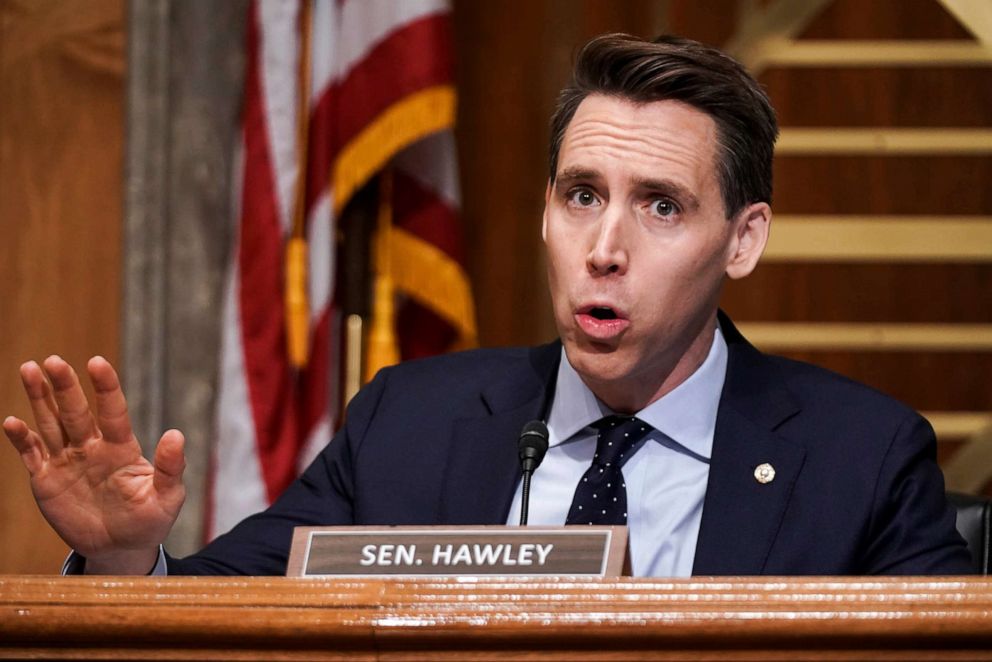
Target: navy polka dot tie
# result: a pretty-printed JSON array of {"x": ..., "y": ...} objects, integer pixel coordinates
[{"x": 601, "y": 495}]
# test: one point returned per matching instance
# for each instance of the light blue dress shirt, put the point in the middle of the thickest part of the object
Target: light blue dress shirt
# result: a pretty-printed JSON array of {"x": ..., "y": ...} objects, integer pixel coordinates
[{"x": 666, "y": 476}]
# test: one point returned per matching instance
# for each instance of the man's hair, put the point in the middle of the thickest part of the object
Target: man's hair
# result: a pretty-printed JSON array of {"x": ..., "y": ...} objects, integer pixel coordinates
[{"x": 673, "y": 68}]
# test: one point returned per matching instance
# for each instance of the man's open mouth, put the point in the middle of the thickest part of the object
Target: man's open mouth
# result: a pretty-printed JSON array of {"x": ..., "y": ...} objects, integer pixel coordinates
[
  {"x": 602, "y": 322},
  {"x": 603, "y": 313}
]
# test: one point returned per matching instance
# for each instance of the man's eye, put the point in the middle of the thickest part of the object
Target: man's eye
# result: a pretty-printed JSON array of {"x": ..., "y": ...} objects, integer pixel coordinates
[
  {"x": 583, "y": 197},
  {"x": 664, "y": 207}
]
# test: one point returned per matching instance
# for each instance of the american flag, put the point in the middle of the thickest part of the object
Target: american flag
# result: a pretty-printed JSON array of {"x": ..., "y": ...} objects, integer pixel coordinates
[{"x": 337, "y": 92}]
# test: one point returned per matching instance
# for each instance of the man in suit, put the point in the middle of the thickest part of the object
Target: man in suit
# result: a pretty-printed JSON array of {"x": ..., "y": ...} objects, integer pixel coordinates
[{"x": 720, "y": 460}]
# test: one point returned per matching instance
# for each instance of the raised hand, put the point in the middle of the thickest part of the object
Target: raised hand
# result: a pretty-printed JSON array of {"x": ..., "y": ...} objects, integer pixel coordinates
[{"x": 88, "y": 475}]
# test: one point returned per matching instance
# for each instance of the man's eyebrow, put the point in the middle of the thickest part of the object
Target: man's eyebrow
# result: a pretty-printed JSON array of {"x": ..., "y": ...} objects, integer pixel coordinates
[
  {"x": 570, "y": 175},
  {"x": 671, "y": 189}
]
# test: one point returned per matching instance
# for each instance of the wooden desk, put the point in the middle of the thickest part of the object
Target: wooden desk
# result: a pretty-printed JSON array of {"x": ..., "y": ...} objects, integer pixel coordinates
[{"x": 293, "y": 619}]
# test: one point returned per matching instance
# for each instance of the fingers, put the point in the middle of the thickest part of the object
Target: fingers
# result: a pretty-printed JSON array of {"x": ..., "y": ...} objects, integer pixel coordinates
[
  {"x": 61, "y": 410},
  {"x": 170, "y": 462},
  {"x": 46, "y": 413},
  {"x": 111, "y": 406},
  {"x": 74, "y": 409},
  {"x": 27, "y": 442}
]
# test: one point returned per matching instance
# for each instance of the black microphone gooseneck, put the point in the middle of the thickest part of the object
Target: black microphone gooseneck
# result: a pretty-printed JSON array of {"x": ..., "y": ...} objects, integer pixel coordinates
[{"x": 532, "y": 446}]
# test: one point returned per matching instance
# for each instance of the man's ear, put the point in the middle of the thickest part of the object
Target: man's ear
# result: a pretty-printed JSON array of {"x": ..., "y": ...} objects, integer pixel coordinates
[
  {"x": 544, "y": 217},
  {"x": 751, "y": 227}
]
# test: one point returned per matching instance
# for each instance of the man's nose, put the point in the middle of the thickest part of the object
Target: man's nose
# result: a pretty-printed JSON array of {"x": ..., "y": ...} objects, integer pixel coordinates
[{"x": 608, "y": 254}]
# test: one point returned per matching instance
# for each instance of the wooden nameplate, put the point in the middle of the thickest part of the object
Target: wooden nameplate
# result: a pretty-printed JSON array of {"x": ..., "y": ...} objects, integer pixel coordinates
[{"x": 458, "y": 551}]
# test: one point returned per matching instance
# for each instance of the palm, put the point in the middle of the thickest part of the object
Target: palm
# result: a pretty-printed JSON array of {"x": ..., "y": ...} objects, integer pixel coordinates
[
  {"x": 104, "y": 497},
  {"x": 88, "y": 475}
]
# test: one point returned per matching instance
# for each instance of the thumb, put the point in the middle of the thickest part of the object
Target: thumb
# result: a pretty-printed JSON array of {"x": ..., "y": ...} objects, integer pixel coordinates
[{"x": 170, "y": 462}]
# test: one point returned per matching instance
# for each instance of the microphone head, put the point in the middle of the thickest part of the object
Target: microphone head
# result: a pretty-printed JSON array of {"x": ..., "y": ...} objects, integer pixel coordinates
[{"x": 533, "y": 445}]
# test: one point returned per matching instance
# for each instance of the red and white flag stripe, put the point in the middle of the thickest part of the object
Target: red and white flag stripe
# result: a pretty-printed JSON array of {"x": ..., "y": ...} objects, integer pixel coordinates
[{"x": 366, "y": 56}]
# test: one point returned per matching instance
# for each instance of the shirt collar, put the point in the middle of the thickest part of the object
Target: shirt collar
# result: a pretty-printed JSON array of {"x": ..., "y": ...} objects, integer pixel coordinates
[{"x": 687, "y": 414}]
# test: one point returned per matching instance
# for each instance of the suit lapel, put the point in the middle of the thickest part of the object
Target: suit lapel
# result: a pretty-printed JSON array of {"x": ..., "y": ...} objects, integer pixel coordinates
[
  {"x": 741, "y": 515},
  {"x": 483, "y": 468}
]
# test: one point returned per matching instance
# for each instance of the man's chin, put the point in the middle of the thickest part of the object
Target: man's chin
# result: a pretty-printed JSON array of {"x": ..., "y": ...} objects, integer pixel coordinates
[
  {"x": 598, "y": 362},
  {"x": 585, "y": 345}
]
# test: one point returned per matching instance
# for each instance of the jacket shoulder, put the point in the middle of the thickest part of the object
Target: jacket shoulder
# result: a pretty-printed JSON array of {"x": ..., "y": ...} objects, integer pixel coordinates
[
  {"x": 502, "y": 377},
  {"x": 459, "y": 364},
  {"x": 818, "y": 388}
]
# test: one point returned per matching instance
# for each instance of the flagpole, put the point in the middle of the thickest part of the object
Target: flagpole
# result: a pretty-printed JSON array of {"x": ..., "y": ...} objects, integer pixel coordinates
[
  {"x": 297, "y": 302},
  {"x": 382, "y": 349}
]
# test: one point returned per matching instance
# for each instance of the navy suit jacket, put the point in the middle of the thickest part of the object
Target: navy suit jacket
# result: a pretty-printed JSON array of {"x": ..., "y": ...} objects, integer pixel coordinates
[{"x": 856, "y": 491}]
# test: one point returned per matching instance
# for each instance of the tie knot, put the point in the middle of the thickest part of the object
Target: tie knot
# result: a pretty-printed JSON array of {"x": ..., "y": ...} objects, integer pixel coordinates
[{"x": 617, "y": 436}]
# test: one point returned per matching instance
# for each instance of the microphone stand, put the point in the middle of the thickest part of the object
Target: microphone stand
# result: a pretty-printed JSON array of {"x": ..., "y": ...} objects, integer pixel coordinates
[{"x": 525, "y": 497}]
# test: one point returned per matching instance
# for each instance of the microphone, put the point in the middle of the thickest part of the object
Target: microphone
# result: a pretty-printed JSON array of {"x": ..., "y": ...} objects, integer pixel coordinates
[{"x": 532, "y": 446}]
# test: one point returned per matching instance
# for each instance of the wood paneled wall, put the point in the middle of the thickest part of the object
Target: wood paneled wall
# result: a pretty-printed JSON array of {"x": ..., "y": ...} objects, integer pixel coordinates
[
  {"x": 61, "y": 137},
  {"x": 879, "y": 68}
]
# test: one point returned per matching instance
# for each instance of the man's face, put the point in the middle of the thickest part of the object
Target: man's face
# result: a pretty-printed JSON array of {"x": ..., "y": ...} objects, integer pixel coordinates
[{"x": 638, "y": 245}]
